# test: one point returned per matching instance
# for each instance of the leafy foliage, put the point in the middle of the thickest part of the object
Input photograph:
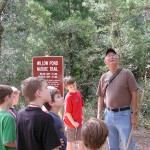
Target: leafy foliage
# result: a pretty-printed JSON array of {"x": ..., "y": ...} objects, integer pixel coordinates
[
  {"x": 80, "y": 31},
  {"x": 63, "y": 9}
]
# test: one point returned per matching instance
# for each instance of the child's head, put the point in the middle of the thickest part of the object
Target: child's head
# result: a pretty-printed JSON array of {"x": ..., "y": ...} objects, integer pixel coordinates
[
  {"x": 94, "y": 133},
  {"x": 5, "y": 91},
  {"x": 35, "y": 87},
  {"x": 70, "y": 84},
  {"x": 56, "y": 99},
  {"x": 16, "y": 93}
]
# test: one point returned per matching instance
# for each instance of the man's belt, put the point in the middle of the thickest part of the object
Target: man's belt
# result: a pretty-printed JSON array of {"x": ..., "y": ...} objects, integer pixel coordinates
[{"x": 118, "y": 109}]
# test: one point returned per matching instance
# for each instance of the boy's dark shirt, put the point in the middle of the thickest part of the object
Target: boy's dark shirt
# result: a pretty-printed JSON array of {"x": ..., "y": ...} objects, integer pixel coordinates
[
  {"x": 59, "y": 129},
  {"x": 13, "y": 112},
  {"x": 35, "y": 130}
]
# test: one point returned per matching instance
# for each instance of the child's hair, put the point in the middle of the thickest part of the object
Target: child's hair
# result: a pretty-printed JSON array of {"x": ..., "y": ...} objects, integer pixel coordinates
[
  {"x": 68, "y": 80},
  {"x": 4, "y": 91},
  {"x": 53, "y": 92},
  {"x": 15, "y": 90},
  {"x": 94, "y": 133},
  {"x": 30, "y": 85}
]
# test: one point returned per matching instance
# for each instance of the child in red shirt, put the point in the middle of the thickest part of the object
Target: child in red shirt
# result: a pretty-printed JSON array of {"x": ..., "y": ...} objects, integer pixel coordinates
[{"x": 73, "y": 117}]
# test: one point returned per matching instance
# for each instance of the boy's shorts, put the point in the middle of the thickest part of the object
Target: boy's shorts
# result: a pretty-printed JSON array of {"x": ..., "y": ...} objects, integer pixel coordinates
[{"x": 73, "y": 134}]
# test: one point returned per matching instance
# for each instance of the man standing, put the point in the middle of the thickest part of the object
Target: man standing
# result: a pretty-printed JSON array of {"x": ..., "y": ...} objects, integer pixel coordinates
[{"x": 117, "y": 90}]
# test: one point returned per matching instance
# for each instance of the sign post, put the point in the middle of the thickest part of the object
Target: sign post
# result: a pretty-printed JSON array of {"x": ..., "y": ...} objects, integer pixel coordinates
[{"x": 51, "y": 69}]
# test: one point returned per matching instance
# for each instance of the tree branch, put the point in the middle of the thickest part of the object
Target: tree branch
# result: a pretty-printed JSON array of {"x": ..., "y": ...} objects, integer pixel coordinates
[{"x": 2, "y": 7}]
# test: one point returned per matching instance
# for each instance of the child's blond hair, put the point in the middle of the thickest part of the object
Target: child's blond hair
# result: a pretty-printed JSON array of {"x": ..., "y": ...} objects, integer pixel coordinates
[{"x": 15, "y": 90}]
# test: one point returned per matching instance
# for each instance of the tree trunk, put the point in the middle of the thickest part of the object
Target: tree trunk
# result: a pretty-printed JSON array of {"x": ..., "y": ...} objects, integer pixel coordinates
[
  {"x": 70, "y": 53},
  {"x": 2, "y": 7},
  {"x": 1, "y": 32}
]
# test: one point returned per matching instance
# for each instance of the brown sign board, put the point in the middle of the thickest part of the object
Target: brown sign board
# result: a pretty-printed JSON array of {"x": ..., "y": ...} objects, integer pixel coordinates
[{"x": 51, "y": 69}]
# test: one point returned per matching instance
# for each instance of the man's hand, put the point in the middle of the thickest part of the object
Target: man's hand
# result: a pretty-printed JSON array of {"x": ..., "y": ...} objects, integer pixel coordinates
[{"x": 99, "y": 116}]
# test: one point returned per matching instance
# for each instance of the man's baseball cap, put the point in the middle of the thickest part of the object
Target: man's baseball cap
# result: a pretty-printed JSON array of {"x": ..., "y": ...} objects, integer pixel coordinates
[{"x": 110, "y": 50}]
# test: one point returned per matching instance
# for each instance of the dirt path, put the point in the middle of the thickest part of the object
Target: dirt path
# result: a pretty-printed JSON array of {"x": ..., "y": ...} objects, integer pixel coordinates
[{"x": 142, "y": 140}]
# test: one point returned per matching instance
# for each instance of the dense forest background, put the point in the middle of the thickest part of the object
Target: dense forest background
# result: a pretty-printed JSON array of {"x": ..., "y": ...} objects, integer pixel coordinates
[{"x": 80, "y": 31}]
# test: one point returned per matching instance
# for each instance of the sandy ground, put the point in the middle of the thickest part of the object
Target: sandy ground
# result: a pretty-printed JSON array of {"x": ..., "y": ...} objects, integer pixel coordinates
[{"x": 142, "y": 140}]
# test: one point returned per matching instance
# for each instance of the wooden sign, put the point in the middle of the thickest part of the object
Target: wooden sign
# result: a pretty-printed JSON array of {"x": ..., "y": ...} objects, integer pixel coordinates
[{"x": 51, "y": 69}]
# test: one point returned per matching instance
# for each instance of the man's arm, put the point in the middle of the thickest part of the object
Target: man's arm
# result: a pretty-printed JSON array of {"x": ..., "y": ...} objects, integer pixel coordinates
[
  {"x": 134, "y": 115},
  {"x": 12, "y": 144},
  {"x": 100, "y": 107},
  {"x": 75, "y": 124}
]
